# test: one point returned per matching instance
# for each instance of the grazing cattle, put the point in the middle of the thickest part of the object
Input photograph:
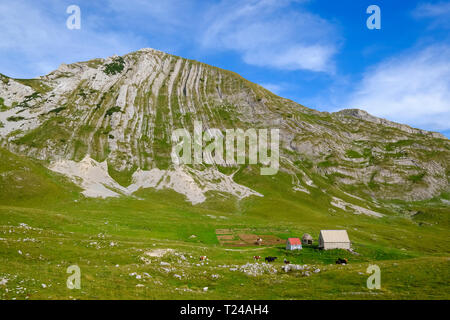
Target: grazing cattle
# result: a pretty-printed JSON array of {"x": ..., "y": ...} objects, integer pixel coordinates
[
  {"x": 270, "y": 259},
  {"x": 286, "y": 261},
  {"x": 342, "y": 261},
  {"x": 202, "y": 258},
  {"x": 256, "y": 257}
]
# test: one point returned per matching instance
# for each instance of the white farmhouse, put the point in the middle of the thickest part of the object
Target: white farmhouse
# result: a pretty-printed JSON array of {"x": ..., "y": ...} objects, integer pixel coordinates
[
  {"x": 334, "y": 239},
  {"x": 293, "y": 244}
]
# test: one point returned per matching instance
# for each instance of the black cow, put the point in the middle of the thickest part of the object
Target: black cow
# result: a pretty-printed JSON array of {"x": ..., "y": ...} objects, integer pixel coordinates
[
  {"x": 342, "y": 261},
  {"x": 270, "y": 259}
]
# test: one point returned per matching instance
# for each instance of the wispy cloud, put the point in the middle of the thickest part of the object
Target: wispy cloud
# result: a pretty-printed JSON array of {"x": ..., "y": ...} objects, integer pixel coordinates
[
  {"x": 266, "y": 34},
  {"x": 168, "y": 17},
  {"x": 412, "y": 88},
  {"x": 438, "y": 12},
  {"x": 34, "y": 39},
  {"x": 273, "y": 87}
]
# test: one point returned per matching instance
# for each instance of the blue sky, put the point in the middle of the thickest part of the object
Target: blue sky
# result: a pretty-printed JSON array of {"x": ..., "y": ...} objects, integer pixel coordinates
[{"x": 316, "y": 52}]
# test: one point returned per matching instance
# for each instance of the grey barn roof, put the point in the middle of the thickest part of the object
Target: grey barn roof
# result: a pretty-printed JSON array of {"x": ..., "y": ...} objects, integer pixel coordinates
[{"x": 334, "y": 235}]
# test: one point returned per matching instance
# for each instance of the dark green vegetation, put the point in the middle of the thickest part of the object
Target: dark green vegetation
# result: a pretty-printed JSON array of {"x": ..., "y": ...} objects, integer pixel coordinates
[
  {"x": 15, "y": 118},
  {"x": 115, "y": 67},
  {"x": 110, "y": 111},
  {"x": 416, "y": 177},
  {"x": 57, "y": 110},
  {"x": 353, "y": 154},
  {"x": 3, "y": 107}
]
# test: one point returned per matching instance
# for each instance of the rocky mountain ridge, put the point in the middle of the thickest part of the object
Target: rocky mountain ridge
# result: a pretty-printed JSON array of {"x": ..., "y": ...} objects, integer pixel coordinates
[{"x": 122, "y": 110}]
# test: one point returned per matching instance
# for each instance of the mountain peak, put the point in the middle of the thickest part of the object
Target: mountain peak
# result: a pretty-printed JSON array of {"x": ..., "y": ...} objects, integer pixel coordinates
[{"x": 122, "y": 111}]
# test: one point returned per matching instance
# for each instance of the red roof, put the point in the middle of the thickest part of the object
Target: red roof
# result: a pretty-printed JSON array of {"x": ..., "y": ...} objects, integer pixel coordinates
[{"x": 294, "y": 241}]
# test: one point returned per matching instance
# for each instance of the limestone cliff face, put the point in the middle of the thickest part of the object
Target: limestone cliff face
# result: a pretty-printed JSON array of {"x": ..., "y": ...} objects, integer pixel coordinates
[{"x": 122, "y": 110}]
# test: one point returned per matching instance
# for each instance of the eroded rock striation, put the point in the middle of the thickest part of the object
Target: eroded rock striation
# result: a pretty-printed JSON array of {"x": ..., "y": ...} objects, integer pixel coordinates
[{"x": 103, "y": 117}]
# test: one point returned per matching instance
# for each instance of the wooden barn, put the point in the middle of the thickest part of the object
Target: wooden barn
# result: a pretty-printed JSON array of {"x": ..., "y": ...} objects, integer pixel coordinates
[
  {"x": 293, "y": 244},
  {"x": 334, "y": 239},
  {"x": 307, "y": 239}
]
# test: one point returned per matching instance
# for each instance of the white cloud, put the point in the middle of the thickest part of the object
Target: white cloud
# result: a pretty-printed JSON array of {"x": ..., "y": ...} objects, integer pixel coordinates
[
  {"x": 273, "y": 87},
  {"x": 432, "y": 9},
  {"x": 34, "y": 40},
  {"x": 438, "y": 12},
  {"x": 266, "y": 33},
  {"x": 413, "y": 88},
  {"x": 165, "y": 16},
  {"x": 295, "y": 57}
]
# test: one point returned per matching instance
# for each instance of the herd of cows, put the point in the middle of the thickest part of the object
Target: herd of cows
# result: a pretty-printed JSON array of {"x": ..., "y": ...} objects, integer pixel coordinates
[{"x": 272, "y": 259}]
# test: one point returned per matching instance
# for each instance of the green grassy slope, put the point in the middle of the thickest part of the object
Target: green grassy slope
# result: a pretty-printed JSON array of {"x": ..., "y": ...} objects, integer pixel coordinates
[
  {"x": 108, "y": 239},
  {"x": 25, "y": 182}
]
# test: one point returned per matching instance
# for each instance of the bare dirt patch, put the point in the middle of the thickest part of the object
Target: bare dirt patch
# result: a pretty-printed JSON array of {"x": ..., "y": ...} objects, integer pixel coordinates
[
  {"x": 233, "y": 243},
  {"x": 224, "y": 231},
  {"x": 226, "y": 237},
  {"x": 252, "y": 239},
  {"x": 240, "y": 238}
]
